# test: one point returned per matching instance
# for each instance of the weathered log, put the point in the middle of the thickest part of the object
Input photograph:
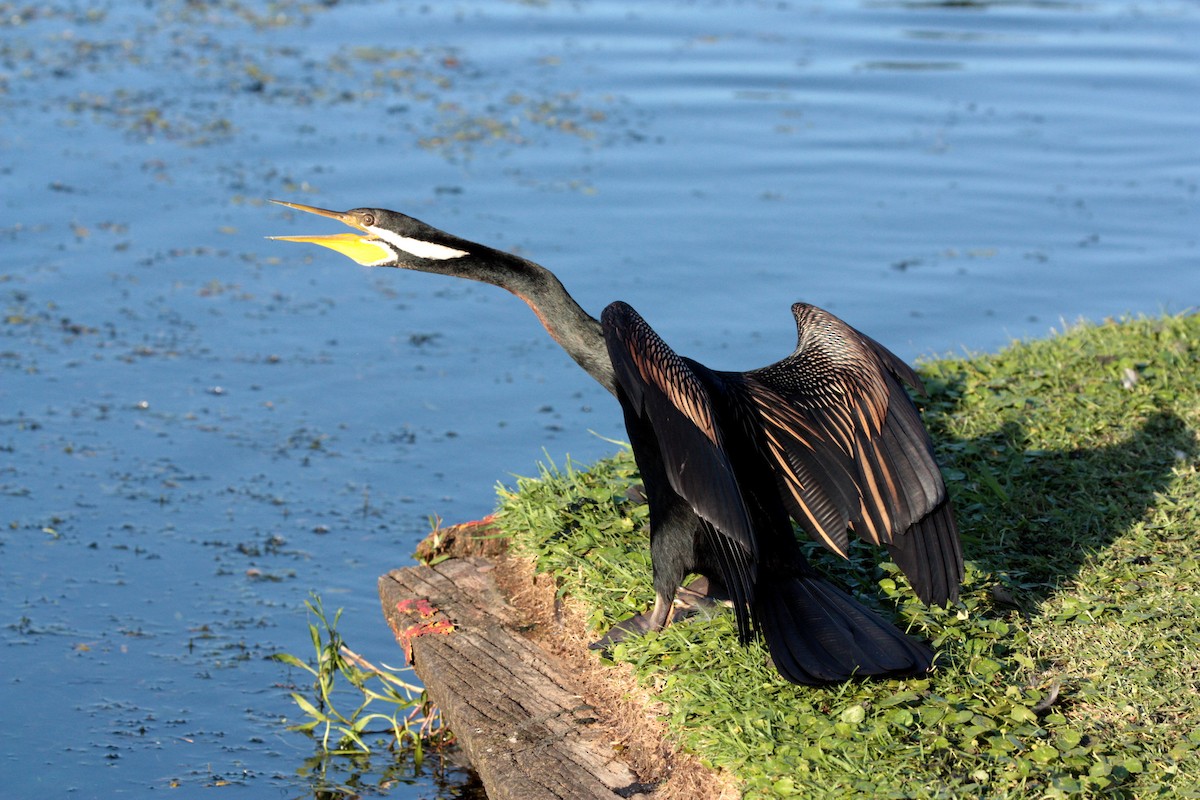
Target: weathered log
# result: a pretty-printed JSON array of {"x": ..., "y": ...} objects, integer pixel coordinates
[{"x": 515, "y": 711}]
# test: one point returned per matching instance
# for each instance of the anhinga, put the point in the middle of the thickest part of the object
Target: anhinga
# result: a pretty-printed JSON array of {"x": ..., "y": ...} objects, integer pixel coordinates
[{"x": 827, "y": 437}]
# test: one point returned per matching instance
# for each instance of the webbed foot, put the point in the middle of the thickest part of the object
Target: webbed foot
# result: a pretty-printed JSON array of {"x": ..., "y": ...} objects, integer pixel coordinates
[
  {"x": 699, "y": 594},
  {"x": 636, "y": 625}
]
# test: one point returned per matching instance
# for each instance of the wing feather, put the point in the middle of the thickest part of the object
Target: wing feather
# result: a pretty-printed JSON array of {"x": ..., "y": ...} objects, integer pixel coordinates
[
  {"x": 845, "y": 441},
  {"x": 851, "y": 452},
  {"x": 665, "y": 389}
]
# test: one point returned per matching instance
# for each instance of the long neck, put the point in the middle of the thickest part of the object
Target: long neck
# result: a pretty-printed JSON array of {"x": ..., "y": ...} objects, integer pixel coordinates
[{"x": 578, "y": 332}]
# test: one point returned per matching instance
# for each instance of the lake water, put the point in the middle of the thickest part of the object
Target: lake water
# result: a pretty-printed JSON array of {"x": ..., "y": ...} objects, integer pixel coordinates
[{"x": 198, "y": 427}]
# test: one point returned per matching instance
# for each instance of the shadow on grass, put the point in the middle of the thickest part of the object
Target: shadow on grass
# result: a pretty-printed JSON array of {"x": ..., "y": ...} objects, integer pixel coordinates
[{"x": 1032, "y": 517}]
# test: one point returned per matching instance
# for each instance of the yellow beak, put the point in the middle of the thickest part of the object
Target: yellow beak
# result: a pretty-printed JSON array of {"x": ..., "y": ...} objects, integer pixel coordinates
[{"x": 364, "y": 248}]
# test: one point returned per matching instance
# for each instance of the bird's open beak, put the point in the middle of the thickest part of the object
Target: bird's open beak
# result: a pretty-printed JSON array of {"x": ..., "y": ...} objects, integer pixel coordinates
[{"x": 364, "y": 247}]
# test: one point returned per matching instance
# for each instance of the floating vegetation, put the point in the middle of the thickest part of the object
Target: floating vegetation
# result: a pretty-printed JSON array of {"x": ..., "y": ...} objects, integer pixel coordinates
[{"x": 232, "y": 57}]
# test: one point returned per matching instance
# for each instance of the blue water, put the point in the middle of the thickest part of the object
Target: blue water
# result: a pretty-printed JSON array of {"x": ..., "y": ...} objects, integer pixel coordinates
[{"x": 199, "y": 426}]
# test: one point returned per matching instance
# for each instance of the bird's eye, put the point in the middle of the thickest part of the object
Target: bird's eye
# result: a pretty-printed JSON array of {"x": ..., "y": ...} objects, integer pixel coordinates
[{"x": 367, "y": 218}]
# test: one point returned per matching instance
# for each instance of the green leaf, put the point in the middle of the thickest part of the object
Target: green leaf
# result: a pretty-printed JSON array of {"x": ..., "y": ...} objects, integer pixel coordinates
[
  {"x": 304, "y": 727},
  {"x": 1022, "y": 714},
  {"x": 784, "y": 787},
  {"x": 1044, "y": 754},
  {"x": 308, "y": 708},
  {"x": 898, "y": 698},
  {"x": 1068, "y": 739},
  {"x": 989, "y": 480},
  {"x": 853, "y": 715},
  {"x": 291, "y": 660}
]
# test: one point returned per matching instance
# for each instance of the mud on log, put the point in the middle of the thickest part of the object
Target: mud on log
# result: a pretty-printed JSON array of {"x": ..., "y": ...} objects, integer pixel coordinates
[{"x": 515, "y": 711}]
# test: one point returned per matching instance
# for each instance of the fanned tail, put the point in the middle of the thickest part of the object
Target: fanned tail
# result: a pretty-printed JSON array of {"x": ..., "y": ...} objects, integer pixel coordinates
[{"x": 819, "y": 634}]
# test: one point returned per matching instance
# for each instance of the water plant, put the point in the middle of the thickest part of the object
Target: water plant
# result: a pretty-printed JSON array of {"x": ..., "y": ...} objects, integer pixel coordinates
[{"x": 409, "y": 724}]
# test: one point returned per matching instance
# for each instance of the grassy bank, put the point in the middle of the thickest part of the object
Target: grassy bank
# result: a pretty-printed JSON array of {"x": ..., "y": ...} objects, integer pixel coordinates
[{"x": 1071, "y": 666}]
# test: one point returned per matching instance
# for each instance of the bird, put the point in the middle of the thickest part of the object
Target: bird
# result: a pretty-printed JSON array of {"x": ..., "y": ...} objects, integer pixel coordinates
[{"x": 828, "y": 438}]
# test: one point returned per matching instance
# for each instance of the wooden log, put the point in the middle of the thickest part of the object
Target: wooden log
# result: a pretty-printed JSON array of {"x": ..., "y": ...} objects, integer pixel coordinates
[{"x": 515, "y": 711}]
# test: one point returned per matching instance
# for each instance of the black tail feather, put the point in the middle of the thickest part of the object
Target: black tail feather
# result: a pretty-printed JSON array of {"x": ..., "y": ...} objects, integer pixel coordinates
[{"x": 819, "y": 634}]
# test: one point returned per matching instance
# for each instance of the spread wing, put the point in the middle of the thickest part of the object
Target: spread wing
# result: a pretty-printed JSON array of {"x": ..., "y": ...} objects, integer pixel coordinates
[
  {"x": 851, "y": 452},
  {"x": 667, "y": 402}
]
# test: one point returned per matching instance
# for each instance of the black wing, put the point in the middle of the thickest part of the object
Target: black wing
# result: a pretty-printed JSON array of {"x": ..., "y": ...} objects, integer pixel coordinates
[
  {"x": 851, "y": 452},
  {"x": 662, "y": 391}
]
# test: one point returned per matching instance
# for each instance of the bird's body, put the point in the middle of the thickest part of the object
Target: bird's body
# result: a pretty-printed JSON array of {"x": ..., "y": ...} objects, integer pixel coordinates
[
  {"x": 827, "y": 437},
  {"x": 731, "y": 458}
]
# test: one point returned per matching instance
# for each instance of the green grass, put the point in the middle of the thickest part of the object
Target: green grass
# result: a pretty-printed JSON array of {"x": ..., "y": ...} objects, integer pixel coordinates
[{"x": 1071, "y": 667}]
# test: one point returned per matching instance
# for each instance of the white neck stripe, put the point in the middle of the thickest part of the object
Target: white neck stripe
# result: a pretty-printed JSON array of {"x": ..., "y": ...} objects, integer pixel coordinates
[{"x": 418, "y": 247}]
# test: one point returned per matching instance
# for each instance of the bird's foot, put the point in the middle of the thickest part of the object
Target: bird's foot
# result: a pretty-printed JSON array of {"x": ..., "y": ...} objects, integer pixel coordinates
[
  {"x": 636, "y": 625},
  {"x": 698, "y": 595}
]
